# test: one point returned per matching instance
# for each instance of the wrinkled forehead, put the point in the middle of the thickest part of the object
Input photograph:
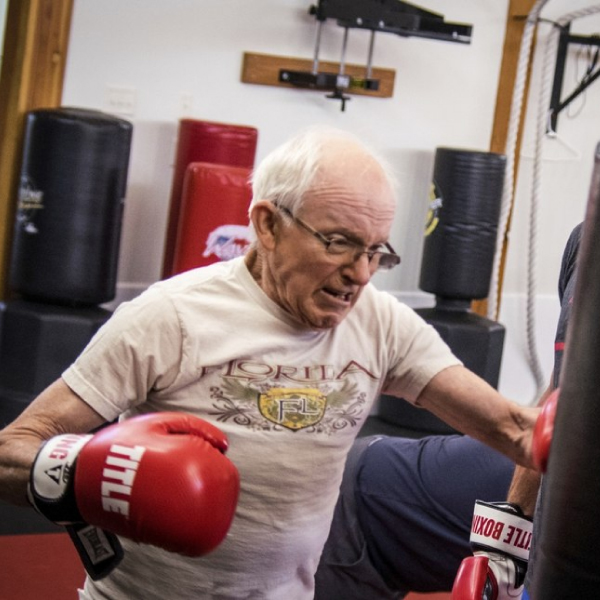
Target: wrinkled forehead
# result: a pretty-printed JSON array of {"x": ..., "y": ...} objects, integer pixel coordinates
[{"x": 345, "y": 165}]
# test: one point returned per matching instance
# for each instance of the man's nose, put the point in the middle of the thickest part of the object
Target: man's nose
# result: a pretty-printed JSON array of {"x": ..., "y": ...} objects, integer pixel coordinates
[{"x": 360, "y": 270}]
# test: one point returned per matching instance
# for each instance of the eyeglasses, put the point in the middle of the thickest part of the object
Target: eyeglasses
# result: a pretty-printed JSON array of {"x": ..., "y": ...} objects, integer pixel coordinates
[{"x": 348, "y": 250}]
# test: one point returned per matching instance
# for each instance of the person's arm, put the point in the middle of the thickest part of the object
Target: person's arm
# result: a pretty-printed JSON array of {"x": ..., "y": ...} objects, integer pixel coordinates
[
  {"x": 57, "y": 410},
  {"x": 524, "y": 489},
  {"x": 94, "y": 485},
  {"x": 500, "y": 561},
  {"x": 472, "y": 406},
  {"x": 525, "y": 483}
]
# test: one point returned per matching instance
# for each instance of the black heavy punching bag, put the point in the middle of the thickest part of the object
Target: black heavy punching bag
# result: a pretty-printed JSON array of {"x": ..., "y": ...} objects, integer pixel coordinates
[
  {"x": 462, "y": 224},
  {"x": 458, "y": 254},
  {"x": 68, "y": 223},
  {"x": 567, "y": 555}
]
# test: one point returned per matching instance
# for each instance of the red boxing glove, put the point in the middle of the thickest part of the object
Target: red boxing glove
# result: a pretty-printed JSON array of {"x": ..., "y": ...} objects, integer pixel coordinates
[
  {"x": 543, "y": 432},
  {"x": 159, "y": 479},
  {"x": 500, "y": 537},
  {"x": 471, "y": 579}
]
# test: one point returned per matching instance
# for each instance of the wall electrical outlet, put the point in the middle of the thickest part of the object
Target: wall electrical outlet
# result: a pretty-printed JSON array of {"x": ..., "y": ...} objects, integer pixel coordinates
[{"x": 121, "y": 100}]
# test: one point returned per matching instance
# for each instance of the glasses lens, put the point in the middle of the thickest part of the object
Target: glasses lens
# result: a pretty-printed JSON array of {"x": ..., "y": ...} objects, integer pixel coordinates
[
  {"x": 340, "y": 247},
  {"x": 386, "y": 260}
]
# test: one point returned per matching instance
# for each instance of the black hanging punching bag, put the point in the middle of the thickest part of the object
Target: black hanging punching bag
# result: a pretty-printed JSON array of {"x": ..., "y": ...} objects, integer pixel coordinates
[
  {"x": 458, "y": 254},
  {"x": 68, "y": 222},
  {"x": 462, "y": 225},
  {"x": 567, "y": 555}
]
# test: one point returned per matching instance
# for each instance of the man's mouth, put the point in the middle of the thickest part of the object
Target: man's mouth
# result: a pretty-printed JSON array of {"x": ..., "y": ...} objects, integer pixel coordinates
[{"x": 343, "y": 296}]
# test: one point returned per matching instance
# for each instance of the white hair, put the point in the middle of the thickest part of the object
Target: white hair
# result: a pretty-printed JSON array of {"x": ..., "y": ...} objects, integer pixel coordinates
[{"x": 287, "y": 173}]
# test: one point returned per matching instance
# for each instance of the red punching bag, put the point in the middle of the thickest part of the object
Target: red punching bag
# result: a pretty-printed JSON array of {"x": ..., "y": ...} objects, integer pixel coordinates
[
  {"x": 213, "y": 217},
  {"x": 208, "y": 142}
]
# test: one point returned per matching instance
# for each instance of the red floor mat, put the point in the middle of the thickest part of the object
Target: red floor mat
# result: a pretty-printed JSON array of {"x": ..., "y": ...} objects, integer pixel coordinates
[
  {"x": 47, "y": 566},
  {"x": 39, "y": 566}
]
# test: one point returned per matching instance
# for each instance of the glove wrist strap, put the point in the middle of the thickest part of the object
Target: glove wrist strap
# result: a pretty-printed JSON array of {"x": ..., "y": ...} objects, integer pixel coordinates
[
  {"x": 498, "y": 528},
  {"x": 100, "y": 551},
  {"x": 51, "y": 484}
]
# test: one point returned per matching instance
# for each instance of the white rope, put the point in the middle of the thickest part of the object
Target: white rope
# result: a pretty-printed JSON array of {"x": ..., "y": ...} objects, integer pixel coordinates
[
  {"x": 506, "y": 201},
  {"x": 578, "y": 14},
  {"x": 547, "y": 76},
  {"x": 542, "y": 123}
]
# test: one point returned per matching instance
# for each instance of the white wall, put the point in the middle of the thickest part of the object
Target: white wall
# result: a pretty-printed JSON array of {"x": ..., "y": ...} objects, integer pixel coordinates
[{"x": 445, "y": 95}]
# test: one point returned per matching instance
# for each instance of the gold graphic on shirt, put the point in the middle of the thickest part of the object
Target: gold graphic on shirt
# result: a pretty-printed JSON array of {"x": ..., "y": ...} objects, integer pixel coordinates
[
  {"x": 310, "y": 409},
  {"x": 293, "y": 408}
]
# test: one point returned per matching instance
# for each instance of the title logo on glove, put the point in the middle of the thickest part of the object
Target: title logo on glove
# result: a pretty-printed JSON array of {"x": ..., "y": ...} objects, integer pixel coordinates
[
  {"x": 498, "y": 529},
  {"x": 118, "y": 476}
]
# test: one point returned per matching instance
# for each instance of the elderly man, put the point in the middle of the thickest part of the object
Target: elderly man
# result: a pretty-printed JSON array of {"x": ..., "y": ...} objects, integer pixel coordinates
[{"x": 283, "y": 350}]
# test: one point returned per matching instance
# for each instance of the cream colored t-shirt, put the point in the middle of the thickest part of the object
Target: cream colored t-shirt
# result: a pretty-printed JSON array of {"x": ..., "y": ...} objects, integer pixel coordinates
[{"x": 291, "y": 401}]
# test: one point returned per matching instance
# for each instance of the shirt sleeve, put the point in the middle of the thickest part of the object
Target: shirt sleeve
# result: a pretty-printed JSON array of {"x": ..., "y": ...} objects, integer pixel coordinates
[
  {"x": 137, "y": 350},
  {"x": 566, "y": 290},
  {"x": 569, "y": 260},
  {"x": 418, "y": 354}
]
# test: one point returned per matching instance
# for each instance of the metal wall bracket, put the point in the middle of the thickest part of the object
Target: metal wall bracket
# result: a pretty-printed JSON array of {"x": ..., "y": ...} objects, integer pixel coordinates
[
  {"x": 387, "y": 16},
  {"x": 327, "y": 81},
  {"x": 392, "y": 16},
  {"x": 334, "y": 82},
  {"x": 285, "y": 71},
  {"x": 556, "y": 104}
]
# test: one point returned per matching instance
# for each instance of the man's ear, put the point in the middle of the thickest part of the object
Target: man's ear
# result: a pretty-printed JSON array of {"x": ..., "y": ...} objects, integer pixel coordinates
[{"x": 265, "y": 221}]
